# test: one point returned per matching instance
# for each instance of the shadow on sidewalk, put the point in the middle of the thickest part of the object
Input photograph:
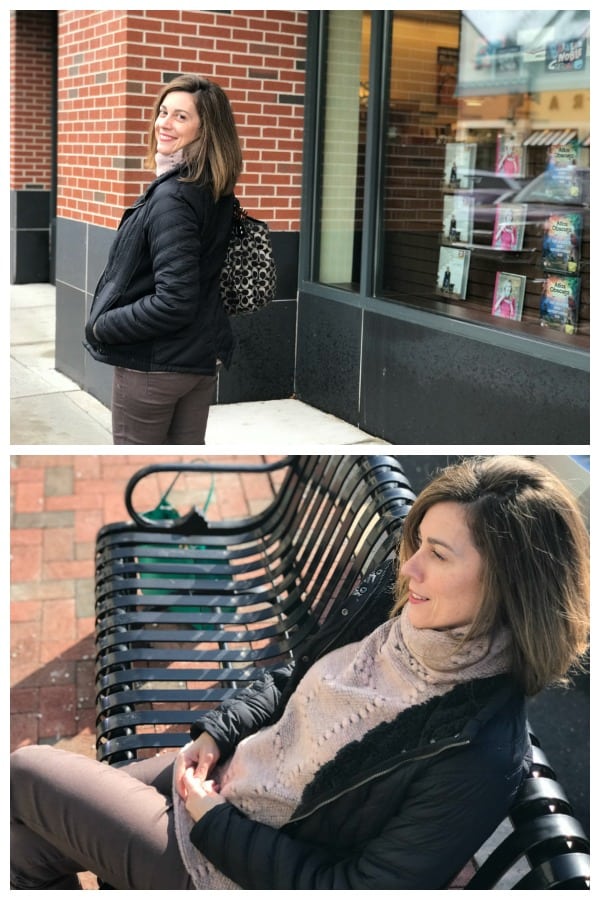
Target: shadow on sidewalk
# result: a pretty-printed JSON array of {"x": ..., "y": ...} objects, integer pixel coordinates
[{"x": 55, "y": 704}]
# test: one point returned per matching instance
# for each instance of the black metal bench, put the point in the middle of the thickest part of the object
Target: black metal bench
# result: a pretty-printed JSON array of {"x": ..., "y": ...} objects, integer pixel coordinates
[
  {"x": 188, "y": 610},
  {"x": 541, "y": 845}
]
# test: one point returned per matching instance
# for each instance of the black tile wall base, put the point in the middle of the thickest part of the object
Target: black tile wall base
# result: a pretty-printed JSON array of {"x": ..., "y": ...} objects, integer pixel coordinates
[
  {"x": 263, "y": 361},
  {"x": 30, "y": 257},
  {"x": 70, "y": 319},
  {"x": 328, "y": 356},
  {"x": 285, "y": 251},
  {"x": 424, "y": 386},
  {"x": 29, "y": 237},
  {"x": 420, "y": 385},
  {"x": 98, "y": 380},
  {"x": 30, "y": 209}
]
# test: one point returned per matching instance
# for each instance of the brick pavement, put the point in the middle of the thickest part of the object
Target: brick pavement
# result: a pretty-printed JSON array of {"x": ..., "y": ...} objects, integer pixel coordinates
[{"x": 58, "y": 503}]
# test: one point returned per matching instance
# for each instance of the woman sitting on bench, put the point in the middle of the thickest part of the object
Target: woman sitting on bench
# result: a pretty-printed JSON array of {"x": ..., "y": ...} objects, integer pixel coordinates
[{"x": 384, "y": 757}]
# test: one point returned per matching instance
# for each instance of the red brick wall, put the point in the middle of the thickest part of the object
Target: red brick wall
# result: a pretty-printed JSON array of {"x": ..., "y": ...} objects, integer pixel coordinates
[
  {"x": 111, "y": 66},
  {"x": 31, "y": 85}
]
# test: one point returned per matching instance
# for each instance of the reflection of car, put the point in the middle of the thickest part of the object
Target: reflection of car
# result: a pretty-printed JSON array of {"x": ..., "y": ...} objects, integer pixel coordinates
[
  {"x": 551, "y": 189},
  {"x": 489, "y": 188},
  {"x": 569, "y": 186},
  {"x": 547, "y": 194}
]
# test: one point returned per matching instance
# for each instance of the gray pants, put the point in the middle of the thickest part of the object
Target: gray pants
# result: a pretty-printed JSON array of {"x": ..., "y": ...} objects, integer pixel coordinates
[
  {"x": 160, "y": 407},
  {"x": 72, "y": 814}
]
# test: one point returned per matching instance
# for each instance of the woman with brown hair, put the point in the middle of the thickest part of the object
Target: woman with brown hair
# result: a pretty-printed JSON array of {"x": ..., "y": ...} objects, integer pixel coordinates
[
  {"x": 384, "y": 756},
  {"x": 156, "y": 315}
]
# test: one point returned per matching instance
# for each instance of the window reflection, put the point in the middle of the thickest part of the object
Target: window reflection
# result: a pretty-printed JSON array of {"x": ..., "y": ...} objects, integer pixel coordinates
[{"x": 479, "y": 193}]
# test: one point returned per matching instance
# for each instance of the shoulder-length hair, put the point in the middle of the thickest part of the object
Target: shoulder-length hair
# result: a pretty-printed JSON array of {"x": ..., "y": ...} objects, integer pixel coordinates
[
  {"x": 534, "y": 545},
  {"x": 214, "y": 158}
]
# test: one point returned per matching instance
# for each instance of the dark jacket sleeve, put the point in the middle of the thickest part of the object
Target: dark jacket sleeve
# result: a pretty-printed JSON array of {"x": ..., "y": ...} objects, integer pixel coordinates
[
  {"x": 245, "y": 713},
  {"x": 173, "y": 234},
  {"x": 438, "y": 818}
]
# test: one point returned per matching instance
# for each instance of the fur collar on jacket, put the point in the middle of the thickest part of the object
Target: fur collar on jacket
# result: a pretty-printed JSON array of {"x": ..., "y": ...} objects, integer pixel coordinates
[{"x": 454, "y": 717}]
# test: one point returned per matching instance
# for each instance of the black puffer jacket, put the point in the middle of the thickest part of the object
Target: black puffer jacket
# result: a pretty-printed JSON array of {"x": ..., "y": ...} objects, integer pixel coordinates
[
  {"x": 403, "y": 808},
  {"x": 157, "y": 305}
]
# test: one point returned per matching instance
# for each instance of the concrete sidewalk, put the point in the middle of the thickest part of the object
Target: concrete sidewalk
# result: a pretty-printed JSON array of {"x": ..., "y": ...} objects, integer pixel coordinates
[{"x": 48, "y": 408}]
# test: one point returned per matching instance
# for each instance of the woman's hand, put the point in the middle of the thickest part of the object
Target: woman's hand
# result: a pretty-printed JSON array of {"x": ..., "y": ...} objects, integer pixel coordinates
[
  {"x": 199, "y": 758},
  {"x": 200, "y": 795}
]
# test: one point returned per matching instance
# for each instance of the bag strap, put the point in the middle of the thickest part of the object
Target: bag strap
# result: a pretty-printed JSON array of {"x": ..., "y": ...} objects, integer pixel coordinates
[{"x": 240, "y": 214}]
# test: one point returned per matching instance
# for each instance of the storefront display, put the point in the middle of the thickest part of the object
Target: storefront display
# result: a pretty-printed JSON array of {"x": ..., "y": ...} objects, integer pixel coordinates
[
  {"x": 496, "y": 181},
  {"x": 545, "y": 238}
]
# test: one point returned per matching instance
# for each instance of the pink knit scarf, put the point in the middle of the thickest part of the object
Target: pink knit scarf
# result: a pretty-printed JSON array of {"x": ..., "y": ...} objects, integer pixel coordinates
[{"x": 167, "y": 161}]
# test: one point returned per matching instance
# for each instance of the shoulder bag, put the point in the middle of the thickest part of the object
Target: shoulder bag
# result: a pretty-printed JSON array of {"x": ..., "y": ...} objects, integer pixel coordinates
[{"x": 249, "y": 276}]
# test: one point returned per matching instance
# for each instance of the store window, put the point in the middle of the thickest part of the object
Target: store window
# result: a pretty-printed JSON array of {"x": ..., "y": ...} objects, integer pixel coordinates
[{"x": 483, "y": 176}]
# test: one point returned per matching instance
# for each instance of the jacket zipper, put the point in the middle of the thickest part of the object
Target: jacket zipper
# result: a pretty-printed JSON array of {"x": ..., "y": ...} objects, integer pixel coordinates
[{"x": 352, "y": 787}]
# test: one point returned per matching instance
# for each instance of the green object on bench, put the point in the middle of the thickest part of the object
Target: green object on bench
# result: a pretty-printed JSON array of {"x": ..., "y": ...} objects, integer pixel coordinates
[{"x": 162, "y": 512}]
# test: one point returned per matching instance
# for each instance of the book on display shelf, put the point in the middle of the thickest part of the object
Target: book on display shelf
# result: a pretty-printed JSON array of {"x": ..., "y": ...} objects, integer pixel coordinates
[
  {"x": 559, "y": 303},
  {"x": 509, "y": 294},
  {"x": 459, "y": 165},
  {"x": 561, "y": 244},
  {"x": 453, "y": 272},
  {"x": 510, "y": 155},
  {"x": 458, "y": 218},
  {"x": 562, "y": 179},
  {"x": 509, "y": 226}
]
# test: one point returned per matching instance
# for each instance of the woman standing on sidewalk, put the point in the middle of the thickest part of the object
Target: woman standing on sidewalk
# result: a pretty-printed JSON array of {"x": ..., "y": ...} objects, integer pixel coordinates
[
  {"x": 156, "y": 315},
  {"x": 383, "y": 757}
]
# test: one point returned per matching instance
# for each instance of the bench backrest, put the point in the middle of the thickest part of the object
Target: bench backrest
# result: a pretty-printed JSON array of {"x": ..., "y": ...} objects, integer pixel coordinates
[{"x": 188, "y": 609}]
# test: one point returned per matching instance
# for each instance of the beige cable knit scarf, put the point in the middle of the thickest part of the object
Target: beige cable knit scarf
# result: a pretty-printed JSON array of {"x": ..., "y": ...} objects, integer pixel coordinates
[{"x": 341, "y": 697}]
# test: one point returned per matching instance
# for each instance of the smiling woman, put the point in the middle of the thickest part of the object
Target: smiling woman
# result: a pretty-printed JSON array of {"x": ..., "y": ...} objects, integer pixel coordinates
[
  {"x": 529, "y": 534},
  {"x": 177, "y": 123},
  {"x": 445, "y": 572},
  {"x": 156, "y": 316}
]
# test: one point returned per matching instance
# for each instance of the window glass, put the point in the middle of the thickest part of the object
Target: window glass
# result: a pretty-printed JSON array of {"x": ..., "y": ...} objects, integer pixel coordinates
[
  {"x": 341, "y": 179},
  {"x": 485, "y": 194}
]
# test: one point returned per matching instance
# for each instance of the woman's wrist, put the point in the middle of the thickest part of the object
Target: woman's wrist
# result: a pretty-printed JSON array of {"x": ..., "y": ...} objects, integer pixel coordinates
[{"x": 198, "y": 806}]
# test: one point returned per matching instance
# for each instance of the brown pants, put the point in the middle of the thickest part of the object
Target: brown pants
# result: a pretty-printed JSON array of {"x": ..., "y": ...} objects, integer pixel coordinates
[
  {"x": 72, "y": 814},
  {"x": 160, "y": 407}
]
